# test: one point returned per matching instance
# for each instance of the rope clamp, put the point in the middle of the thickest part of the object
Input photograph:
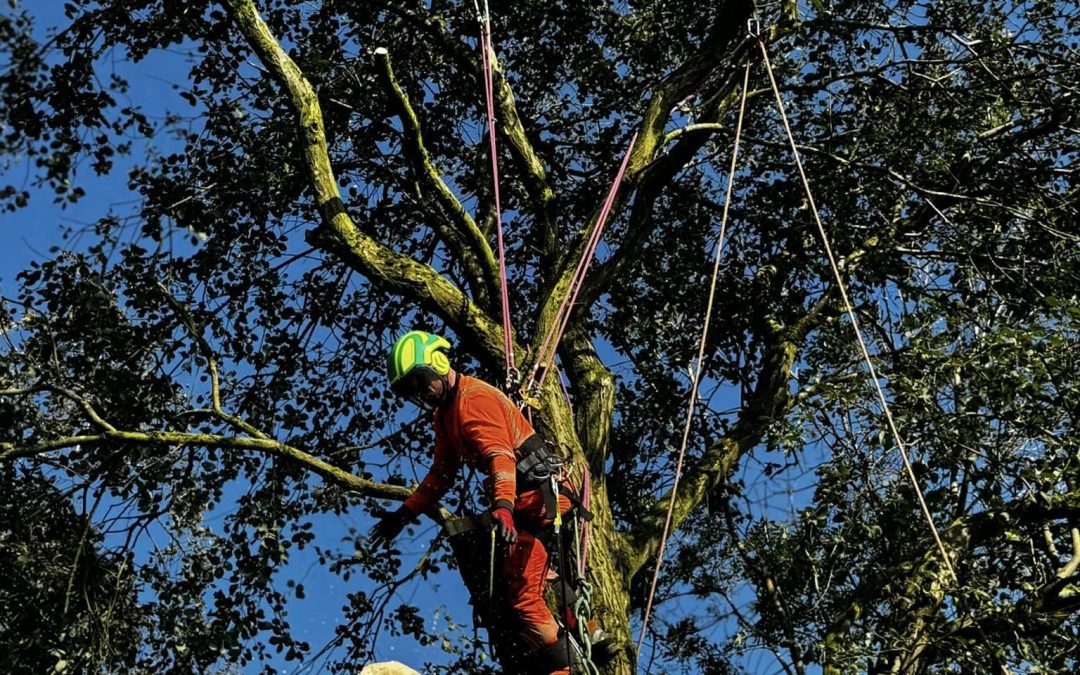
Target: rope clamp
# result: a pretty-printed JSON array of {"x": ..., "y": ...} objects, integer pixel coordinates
[
  {"x": 482, "y": 15},
  {"x": 529, "y": 393},
  {"x": 514, "y": 379}
]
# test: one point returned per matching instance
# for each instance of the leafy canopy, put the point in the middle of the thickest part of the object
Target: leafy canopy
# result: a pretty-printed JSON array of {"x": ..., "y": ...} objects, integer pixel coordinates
[{"x": 207, "y": 363}]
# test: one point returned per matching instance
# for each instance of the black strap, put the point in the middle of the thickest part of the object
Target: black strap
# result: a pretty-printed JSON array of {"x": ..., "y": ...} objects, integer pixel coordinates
[
  {"x": 535, "y": 468},
  {"x": 551, "y": 501},
  {"x": 531, "y": 444},
  {"x": 554, "y": 656},
  {"x": 579, "y": 506},
  {"x": 536, "y": 463}
]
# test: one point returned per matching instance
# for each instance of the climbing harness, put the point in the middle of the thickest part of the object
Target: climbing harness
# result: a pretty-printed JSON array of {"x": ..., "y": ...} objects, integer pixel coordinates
[
  {"x": 541, "y": 468},
  {"x": 475, "y": 545},
  {"x": 538, "y": 463}
]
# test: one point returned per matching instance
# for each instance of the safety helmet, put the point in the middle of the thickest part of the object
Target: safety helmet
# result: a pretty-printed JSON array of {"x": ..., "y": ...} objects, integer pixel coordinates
[{"x": 416, "y": 359}]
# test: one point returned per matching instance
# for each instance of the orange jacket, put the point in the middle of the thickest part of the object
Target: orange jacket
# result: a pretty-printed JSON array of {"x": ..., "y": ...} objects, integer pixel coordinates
[{"x": 482, "y": 428}]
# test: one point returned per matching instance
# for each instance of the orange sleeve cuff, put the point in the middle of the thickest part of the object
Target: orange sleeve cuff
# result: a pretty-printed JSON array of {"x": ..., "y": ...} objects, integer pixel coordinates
[{"x": 503, "y": 477}]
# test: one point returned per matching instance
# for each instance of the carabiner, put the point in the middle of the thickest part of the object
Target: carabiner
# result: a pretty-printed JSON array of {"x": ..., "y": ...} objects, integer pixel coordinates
[{"x": 753, "y": 28}]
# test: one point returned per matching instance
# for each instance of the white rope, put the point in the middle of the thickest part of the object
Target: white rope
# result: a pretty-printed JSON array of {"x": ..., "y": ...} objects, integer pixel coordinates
[
  {"x": 900, "y": 445},
  {"x": 696, "y": 381}
]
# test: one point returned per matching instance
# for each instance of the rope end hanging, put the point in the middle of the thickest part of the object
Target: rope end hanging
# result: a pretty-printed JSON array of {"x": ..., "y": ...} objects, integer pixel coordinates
[{"x": 695, "y": 373}]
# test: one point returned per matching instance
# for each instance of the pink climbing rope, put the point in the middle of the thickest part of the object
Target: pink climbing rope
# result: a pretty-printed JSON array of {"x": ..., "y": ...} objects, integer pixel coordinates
[
  {"x": 489, "y": 97},
  {"x": 549, "y": 347}
]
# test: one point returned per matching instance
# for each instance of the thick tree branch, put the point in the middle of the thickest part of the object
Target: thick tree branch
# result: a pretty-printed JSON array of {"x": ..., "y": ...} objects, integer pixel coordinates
[
  {"x": 331, "y": 473},
  {"x": 1070, "y": 568},
  {"x": 593, "y": 386},
  {"x": 466, "y": 239},
  {"x": 651, "y": 184},
  {"x": 685, "y": 80},
  {"x": 923, "y": 584},
  {"x": 766, "y": 403},
  {"x": 770, "y": 397},
  {"x": 339, "y": 234},
  {"x": 646, "y": 173},
  {"x": 541, "y": 201},
  {"x": 539, "y": 188},
  {"x": 257, "y": 441}
]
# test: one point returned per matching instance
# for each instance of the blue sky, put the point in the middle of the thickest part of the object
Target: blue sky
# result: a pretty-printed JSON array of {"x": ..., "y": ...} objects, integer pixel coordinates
[{"x": 30, "y": 232}]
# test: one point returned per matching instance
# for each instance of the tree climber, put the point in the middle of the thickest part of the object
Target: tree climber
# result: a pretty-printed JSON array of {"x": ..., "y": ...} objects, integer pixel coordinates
[{"x": 476, "y": 424}]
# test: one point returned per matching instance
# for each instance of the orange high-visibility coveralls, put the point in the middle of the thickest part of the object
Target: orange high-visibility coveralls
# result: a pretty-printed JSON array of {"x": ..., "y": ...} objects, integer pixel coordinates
[{"x": 482, "y": 428}]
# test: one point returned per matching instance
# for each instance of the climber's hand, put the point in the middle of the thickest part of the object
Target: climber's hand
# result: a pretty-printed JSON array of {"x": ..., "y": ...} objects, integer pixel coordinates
[
  {"x": 389, "y": 527},
  {"x": 502, "y": 517}
]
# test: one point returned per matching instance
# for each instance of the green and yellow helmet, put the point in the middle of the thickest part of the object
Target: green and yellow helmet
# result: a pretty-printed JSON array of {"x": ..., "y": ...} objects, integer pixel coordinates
[{"x": 417, "y": 349}]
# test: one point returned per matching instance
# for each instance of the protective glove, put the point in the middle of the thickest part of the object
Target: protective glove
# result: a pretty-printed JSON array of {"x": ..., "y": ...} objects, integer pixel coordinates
[
  {"x": 389, "y": 527},
  {"x": 502, "y": 517}
]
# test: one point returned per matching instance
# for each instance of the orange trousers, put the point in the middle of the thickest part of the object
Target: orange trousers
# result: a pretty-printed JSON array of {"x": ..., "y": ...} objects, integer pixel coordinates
[{"x": 525, "y": 571}]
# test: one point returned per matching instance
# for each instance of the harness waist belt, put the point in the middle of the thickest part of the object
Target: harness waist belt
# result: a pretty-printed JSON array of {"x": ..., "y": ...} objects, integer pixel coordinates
[
  {"x": 537, "y": 462},
  {"x": 537, "y": 466}
]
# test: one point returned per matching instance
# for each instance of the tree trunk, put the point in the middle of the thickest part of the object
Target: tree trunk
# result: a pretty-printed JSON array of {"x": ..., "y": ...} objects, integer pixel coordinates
[{"x": 611, "y": 583}]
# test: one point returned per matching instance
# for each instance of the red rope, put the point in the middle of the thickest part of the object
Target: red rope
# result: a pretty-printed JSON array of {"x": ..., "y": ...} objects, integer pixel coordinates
[
  {"x": 489, "y": 97},
  {"x": 546, "y": 354}
]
